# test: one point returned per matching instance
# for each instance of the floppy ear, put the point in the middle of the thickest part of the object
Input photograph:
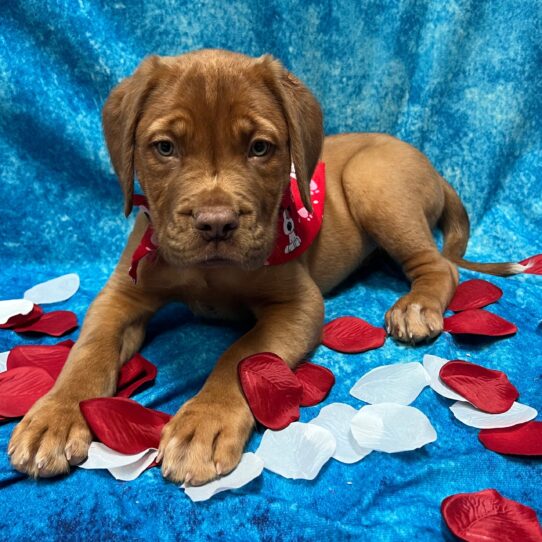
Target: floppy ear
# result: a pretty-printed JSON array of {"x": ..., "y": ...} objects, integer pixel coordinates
[
  {"x": 304, "y": 118},
  {"x": 120, "y": 116}
]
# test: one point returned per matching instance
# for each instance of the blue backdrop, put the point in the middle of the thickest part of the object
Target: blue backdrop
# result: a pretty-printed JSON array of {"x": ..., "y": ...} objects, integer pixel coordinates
[{"x": 461, "y": 80}]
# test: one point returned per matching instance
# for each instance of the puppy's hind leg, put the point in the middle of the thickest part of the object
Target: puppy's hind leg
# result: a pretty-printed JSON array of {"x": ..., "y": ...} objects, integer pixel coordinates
[{"x": 397, "y": 198}]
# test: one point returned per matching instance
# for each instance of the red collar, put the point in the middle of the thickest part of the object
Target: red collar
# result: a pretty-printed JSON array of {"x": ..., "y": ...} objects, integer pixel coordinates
[{"x": 296, "y": 227}]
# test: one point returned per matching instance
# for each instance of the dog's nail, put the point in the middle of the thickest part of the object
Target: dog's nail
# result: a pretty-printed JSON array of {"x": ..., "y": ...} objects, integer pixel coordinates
[
  {"x": 218, "y": 469},
  {"x": 41, "y": 464},
  {"x": 11, "y": 449},
  {"x": 431, "y": 328},
  {"x": 159, "y": 456},
  {"x": 388, "y": 329},
  {"x": 410, "y": 334},
  {"x": 166, "y": 472},
  {"x": 68, "y": 453},
  {"x": 23, "y": 459},
  {"x": 187, "y": 478}
]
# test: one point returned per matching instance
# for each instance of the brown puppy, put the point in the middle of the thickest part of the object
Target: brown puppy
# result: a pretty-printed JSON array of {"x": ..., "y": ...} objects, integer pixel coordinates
[{"x": 211, "y": 136}]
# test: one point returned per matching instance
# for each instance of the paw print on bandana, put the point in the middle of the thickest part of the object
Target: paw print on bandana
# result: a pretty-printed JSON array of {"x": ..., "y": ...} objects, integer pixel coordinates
[{"x": 304, "y": 214}]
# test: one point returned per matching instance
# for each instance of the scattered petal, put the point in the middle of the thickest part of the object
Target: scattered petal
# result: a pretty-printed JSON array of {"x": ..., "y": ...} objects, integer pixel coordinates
[
  {"x": 297, "y": 452},
  {"x": 524, "y": 439},
  {"x": 133, "y": 374},
  {"x": 123, "y": 424},
  {"x": 487, "y": 390},
  {"x": 50, "y": 357},
  {"x": 433, "y": 365},
  {"x": 336, "y": 418},
  {"x": 3, "y": 360},
  {"x": 316, "y": 380},
  {"x": 122, "y": 466},
  {"x": 478, "y": 322},
  {"x": 487, "y": 515},
  {"x": 352, "y": 335},
  {"x": 23, "y": 319},
  {"x": 272, "y": 390},
  {"x": 470, "y": 415},
  {"x": 54, "y": 291},
  {"x": 66, "y": 342},
  {"x": 391, "y": 428},
  {"x": 20, "y": 388},
  {"x": 474, "y": 294},
  {"x": 101, "y": 456},
  {"x": 55, "y": 323},
  {"x": 398, "y": 383},
  {"x": 127, "y": 473},
  {"x": 249, "y": 468},
  {"x": 14, "y": 307},
  {"x": 533, "y": 265}
]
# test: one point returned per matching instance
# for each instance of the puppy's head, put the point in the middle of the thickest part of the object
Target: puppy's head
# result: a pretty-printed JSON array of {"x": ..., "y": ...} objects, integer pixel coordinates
[{"x": 211, "y": 136}]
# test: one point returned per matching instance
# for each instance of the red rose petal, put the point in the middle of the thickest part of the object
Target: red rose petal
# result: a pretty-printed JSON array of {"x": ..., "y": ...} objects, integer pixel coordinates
[
  {"x": 487, "y": 390},
  {"x": 272, "y": 390},
  {"x": 352, "y": 335},
  {"x": 474, "y": 294},
  {"x": 123, "y": 424},
  {"x": 66, "y": 342},
  {"x": 20, "y": 388},
  {"x": 133, "y": 374},
  {"x": 523, "y": 439},
  {"x": 55, "y": 323},
  {"x": 478, "y": 322},
  {"x": 23, "y": 319},
  {"x": 51, "y": 358},
  {"x": 534, "y": 265},
  {"x": 487, "y": 515},
  {"x": 316, "y": 380}
]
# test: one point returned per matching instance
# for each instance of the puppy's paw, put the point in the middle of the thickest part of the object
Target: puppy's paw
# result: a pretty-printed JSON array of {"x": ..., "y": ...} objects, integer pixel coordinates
[
  {"x": 205, "y": 439},
  {"x": 413, "y": 321},
  {"x": 52, "y": 436}
]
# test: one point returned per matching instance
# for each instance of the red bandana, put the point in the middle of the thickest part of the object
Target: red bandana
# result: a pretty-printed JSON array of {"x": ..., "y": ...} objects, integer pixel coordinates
[{"x": 296, "y": 228}]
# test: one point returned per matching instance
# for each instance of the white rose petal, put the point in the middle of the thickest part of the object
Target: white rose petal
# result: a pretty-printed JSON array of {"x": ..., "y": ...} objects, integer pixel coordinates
[
  {"x": 130, "y": 472},
  {"x": 470, "y": 415},
  {"x": 391, "y": 428},
  {"x": 336, "y": 418},
  {"x": 3, "y": 360},
  {"x": 297, "y": 452},
  {"x": 54, "y": 290},
  {"x": 249, "y": 468},
  {"x": 14, "y": 307},
  {"x": 122, "y": 466},
  {"x": 433, "y": 365},
  {"x": 398, "y": 383}
]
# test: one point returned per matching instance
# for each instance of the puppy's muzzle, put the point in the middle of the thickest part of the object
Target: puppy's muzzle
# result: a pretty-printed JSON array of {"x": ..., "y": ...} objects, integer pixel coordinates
[{"x": 216, "y": 223}]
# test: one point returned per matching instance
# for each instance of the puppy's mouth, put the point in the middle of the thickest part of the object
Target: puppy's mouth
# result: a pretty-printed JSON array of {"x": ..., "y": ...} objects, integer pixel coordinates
[
  {"x": 217, "y": 261},
  {"x": 215, "y": 255}
]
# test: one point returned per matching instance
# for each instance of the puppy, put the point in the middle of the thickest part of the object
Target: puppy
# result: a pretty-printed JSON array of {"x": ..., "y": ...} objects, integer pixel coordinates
[{"x": 211, "y": 136}]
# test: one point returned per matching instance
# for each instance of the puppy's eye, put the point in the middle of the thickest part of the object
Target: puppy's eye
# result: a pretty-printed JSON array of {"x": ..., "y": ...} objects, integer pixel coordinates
[
  {"x": 259, "y": 148},
  {"x": 164, "y": 147}
]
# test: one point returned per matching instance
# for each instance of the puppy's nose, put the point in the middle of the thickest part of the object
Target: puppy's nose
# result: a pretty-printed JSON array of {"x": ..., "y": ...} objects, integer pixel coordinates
[{"x": 216, "y": 223}]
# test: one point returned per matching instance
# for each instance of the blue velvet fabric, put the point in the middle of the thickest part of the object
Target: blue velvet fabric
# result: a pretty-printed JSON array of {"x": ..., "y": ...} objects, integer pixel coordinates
[{"x": 461, "y": 80}]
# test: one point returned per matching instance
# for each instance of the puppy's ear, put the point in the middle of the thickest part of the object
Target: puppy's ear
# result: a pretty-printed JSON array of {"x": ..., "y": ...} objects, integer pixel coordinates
[
  {"x": 120, "y": 116},
  {"x": 304, "y": 118}
]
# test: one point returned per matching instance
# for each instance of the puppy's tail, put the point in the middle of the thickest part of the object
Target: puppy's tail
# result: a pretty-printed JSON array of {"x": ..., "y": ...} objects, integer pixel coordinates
[{"x": 455, "y": 225}]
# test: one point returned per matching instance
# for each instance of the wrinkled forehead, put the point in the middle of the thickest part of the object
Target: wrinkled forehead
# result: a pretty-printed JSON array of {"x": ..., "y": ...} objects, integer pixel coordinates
[{"x": 203, "y": 103}]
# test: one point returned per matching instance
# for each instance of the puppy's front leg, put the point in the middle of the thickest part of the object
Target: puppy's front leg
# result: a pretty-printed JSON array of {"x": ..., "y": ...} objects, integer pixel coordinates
[
  {"x": 53, "y": 434},
  {"x": 207, "y": 436}
]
